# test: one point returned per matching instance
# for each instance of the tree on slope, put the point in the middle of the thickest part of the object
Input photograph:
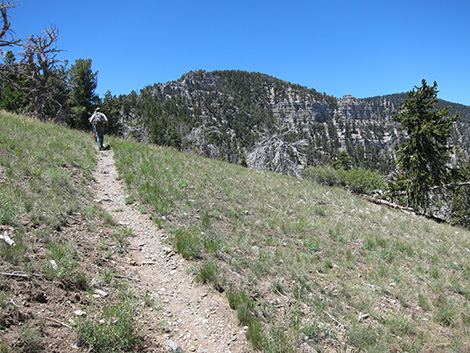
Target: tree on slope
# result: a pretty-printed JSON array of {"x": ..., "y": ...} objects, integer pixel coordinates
[
  {"x": 82, "y": 83},
  {"x": 422, "y": 158},
  {"x": 11, "y": 98},
  {"x": 110, "y": 104},
  {"x": 44, "y": 73},
  {"x": 39, "y": 76}
]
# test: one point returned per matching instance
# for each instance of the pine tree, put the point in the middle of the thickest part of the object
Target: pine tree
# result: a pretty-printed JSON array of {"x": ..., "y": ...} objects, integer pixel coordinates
[
  {"x": 11, "y": 98},
  {"x": 110, "y": 105},
  {"x": 82, "y": 83},
  {"x": 422, "y": 158}
]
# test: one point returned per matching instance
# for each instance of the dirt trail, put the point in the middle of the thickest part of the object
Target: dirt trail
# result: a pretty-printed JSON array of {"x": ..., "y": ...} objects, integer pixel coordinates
[{"x": 195, "y": 317}]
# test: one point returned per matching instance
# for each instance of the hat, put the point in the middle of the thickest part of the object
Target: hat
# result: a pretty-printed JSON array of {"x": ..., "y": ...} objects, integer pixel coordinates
[{"x": 98, "y": 109}]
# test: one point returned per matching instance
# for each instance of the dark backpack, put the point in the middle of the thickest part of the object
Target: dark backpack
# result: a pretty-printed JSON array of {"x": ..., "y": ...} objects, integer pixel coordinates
[{"x": 99, "y": 119}]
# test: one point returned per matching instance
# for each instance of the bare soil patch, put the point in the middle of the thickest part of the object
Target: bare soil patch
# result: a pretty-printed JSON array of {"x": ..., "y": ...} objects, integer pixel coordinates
[{"x": 37, "y": 313}]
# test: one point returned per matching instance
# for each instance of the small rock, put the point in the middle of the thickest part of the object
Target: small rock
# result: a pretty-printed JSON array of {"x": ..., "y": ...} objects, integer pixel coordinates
[
  {"x": 100, "y": 293},
  {"x": 173, "y": 347},
  {"x": 79, "y": 313},
  {"x": 54, "y": 265}
]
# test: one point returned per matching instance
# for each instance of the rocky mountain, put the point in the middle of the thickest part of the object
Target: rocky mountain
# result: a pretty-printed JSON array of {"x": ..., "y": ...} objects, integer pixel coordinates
[{"x": 268, "y": 123}]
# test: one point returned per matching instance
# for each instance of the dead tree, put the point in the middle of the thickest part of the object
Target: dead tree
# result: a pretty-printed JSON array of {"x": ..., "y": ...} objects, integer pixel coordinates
[
  {"x": 6, "y": 31},
  {"x": 39, "y": 75},
  {"x": 44, "y": 72}
]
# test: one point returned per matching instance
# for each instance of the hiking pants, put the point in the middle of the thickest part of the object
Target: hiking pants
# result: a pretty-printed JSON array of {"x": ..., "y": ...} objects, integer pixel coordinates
[{"x": 99, "y": 135}]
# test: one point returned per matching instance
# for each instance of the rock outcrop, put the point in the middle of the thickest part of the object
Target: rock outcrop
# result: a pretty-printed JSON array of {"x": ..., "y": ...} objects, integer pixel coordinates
[{"x": 268, "y": 123}]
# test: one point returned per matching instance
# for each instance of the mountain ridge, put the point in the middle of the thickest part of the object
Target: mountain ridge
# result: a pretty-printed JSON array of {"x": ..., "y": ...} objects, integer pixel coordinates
[{"x": 269, "y": 123}]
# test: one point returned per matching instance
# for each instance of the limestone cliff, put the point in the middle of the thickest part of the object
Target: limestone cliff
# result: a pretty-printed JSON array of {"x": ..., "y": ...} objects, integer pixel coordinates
[{"x": 269, "y": 123}]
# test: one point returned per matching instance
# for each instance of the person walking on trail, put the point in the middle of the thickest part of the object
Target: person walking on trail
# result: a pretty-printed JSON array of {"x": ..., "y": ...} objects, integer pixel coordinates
[{"x": 98, "y": 120}]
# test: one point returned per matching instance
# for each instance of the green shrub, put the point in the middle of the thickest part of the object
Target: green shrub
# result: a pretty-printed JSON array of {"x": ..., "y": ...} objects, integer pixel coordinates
[
  {"x": 357, "y": 180},
  {"x": 322, "y": 175},
  {"x": 461, "y": 206}
]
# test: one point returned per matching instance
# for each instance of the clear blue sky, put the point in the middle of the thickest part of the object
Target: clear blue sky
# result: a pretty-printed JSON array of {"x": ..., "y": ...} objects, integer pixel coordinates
[{"x": 364, "y": 48}]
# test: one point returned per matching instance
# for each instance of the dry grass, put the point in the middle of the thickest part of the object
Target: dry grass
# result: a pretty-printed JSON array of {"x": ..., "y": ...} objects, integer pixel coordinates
[
  {"x": 302, "y": 264},
  {"x": 371, "y": 277},
  {"x": 60, "y": 251}
]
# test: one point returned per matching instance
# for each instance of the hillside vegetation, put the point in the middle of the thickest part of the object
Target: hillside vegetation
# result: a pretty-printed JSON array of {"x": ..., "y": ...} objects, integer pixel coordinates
[
  {"x": 306, "y": 267},
  {"x": 267, "y": 123},
  {"x": 303, "y": 264},
  {"x": 54, "y": 277}
]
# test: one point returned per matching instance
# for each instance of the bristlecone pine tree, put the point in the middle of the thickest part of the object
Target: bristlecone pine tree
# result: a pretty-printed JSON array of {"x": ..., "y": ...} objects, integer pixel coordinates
[{"x": 422, "y": 158}]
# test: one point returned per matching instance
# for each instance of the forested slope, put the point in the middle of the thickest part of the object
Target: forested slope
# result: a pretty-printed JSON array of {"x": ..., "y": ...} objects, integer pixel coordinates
[{"x": 266, "y": 122}]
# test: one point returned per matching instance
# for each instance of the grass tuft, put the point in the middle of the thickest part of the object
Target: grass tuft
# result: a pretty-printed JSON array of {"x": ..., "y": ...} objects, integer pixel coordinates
[
  {"x": 188, "y": 244},
  {"x": 207, "y": 272},
  {"x": 116, "y": 331}
]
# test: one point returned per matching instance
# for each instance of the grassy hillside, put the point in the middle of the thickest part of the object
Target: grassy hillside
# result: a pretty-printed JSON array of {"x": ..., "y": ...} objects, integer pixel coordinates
[
  {"x": 301, "y": 264},
  {"x": 307, "y": 264},
  {"x": 62, "y": 253}
]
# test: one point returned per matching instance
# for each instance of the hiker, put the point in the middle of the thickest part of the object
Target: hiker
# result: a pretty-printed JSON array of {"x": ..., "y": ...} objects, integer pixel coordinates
[{"x": 97, "y": 121}]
